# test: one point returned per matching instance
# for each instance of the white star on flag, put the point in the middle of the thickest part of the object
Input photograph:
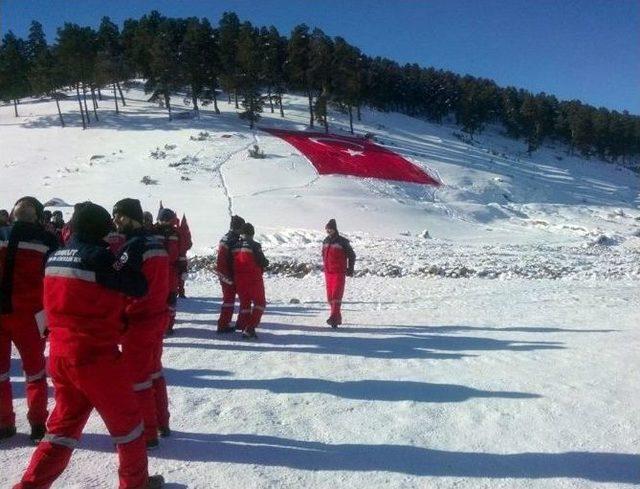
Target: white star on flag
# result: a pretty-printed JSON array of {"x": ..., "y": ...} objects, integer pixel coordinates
[{"x": 353, "y": 152}]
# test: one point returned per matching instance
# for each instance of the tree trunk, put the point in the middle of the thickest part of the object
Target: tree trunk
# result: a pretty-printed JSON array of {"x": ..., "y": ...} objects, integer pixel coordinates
[
  {"x": 310, "y": 108},
  {"x": 358, "y": 115},
  {"x": 194, "y": 99},
  {"x": 215, "y": 102},
  {"x": 167, "y": 102},
  {"x": 229, "y": 98},
  {"x": 99, "y": 94},
  {"x": 124, "y": 104},
  {"x": 59, "y": 111},
  {"x": 115, "y": 97},
  {"x": 15, "y": 106},
  {"x": 326, "y": 124},
  {"x": 280, "y": 103},
  {"x": 86, "y": 109},
  {"x": 235, "y": 93},
  {"x": 93, "y": 97},
  {"x": 270, "y": 100},
  {"x": 350, "y": 119},
  {"x": 95, "y": 103},
  {"x": 84, "y": 124}
]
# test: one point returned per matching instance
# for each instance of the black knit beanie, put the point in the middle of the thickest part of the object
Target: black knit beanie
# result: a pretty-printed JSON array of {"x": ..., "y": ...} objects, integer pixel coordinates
[
  {"x": 236, "y": 223},
  {"x": 247, "y": 229},
  {"x": 332, "y": 225},
  {"x": 130, "y": 208},
  {"x": 166, "y": 215},
  {"x": 91, "y": 221}
]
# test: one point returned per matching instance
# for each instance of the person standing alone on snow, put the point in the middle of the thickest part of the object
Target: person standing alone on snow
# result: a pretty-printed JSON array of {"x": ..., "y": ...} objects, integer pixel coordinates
[
  {"x": 339, "y": 260},
  {"x": 248, "y": 266}
]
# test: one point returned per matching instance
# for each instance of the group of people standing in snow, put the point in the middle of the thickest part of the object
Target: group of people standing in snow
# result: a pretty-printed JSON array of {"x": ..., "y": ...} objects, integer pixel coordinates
[
  {"x": 240, "y": 265},
  {"x": 102, "y": 290}
]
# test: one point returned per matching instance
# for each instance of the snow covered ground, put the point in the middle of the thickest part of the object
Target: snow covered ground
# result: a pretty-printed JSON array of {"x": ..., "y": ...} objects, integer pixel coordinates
[{"x": 499, "y": 351}]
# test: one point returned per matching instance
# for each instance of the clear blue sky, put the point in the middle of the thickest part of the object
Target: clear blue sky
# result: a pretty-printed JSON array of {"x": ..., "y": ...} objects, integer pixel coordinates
[{"x": 584, "y": 49}]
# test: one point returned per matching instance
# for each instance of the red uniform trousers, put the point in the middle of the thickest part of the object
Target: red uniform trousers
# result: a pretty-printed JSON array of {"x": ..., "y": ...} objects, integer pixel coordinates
[
  {"x": 21, "y": 328},
  {"x": 105, "y": 385},
  {"x": 335, "y": 290},
  {"x": 252, "y": 300},
  {"x": 159, "y": 384},
  {"x": 228, "y": 304},
  {"x": 139, "y": 352}
]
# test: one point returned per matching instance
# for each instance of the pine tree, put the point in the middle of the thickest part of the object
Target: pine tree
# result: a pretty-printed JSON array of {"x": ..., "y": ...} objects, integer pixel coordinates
[
  {"x": 14, "y": 70},
  {"x": 298, "y": 63},
  {"x": 45, "y": 75},
  {"x": 319, "y": 73},
  {"x": 273, "y": 48},
  {"x": 346, "y": 76},
  {"x": 228, "y": 32},
  {"x": 77, "y": 56},
  {"x": 248, "y": 73},
  {"x": 110, "y": 61},
  {"x": 164, "y": 63}
]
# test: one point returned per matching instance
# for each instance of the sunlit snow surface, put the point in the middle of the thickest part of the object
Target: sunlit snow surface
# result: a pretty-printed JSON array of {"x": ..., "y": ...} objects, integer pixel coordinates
[{"x": 523, "y": 374}]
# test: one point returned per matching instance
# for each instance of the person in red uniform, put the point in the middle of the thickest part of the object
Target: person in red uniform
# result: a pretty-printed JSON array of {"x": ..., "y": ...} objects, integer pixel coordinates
[
  {"x": 224, "y": 266},
  {"x": 249, "y": 263},
  {"x": 339, "y": 260},
  {"x": 167, "y": 230},
  {"x": 24, "y": 248},
  {"x": 145, "y": 318},
  {"x": 147, "y": 223},
  {"x": 86, "y": 366},
  {"x": 4, "y": 218},
  {"x": 185, "y": 246}
]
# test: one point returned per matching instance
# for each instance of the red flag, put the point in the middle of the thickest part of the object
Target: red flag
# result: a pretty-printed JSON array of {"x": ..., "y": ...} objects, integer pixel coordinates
[{"x": 332, "y": 153}]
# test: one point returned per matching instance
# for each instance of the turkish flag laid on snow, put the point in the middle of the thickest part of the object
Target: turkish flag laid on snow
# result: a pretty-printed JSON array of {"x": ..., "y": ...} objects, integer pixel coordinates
[{"x": 332, "y": 153}]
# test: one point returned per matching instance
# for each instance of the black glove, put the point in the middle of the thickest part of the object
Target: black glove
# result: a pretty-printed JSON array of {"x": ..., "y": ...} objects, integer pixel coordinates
[{"x": 349, "y": 273}]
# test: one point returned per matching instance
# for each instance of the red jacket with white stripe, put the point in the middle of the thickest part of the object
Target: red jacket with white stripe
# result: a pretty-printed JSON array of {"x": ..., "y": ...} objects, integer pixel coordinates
[
  {"x": 337, "y": 255},
  {"x": 249, "y": 261},
  {"x": 170, "y": 237},
  {"x": 24, "y": 248},
  {"x": 147, "y": 253},
  {"x": 84, "y": 299},
  {"x": 224, "y": 260}
]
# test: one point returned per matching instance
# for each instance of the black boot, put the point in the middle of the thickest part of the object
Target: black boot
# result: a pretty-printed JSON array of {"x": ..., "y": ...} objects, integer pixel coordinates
[
  {"x": 7, "y": 432},
  {"x": 37, "y": 433},
  {"x": 332, "y": 321},
  {"x": 249, "y": 333},
  {"x": 155, "y": 482}
]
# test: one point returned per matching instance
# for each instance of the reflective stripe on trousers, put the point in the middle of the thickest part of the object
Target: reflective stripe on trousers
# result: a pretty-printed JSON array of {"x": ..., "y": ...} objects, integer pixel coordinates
[
  {"x": 140, "y": 386},
  {"x": 65, "y": 441},
  {"x": 38, "y": 376},
  {"x": 132, "y": 435}
]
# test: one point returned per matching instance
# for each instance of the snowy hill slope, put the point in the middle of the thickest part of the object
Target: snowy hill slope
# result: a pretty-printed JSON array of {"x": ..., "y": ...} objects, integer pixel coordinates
[
  {"x": 494, "y": 195},
  {"x": 430, "y": 383}
]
